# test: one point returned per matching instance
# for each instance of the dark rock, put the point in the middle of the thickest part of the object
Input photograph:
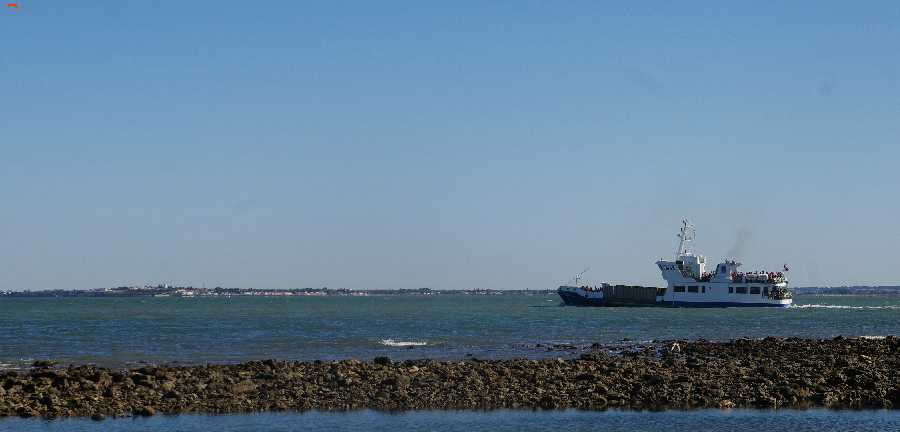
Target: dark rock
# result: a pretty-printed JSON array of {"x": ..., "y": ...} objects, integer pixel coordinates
[
  {"x": 101, "y": 378},
  {"x": 402, "y": 381},
  {"x": 45, "y": 374},
  {"x": 145, "y": 411},
  {"x": 243, "y": 386},
  {"x": 383, "y": 360},
  {"x": 216, "y": 386},
  {"x": 29, "y": 413}
]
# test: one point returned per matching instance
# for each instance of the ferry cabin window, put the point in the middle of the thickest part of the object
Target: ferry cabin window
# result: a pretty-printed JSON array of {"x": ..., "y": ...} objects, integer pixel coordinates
[
  {"x": 741, "y": 290},
  {"x": 731, "y": 290},
  {"x": 703, "y": 288},
  {"x": 678, "y": 288},
  {"x": 754, "y": 290},
  {"x": 693, "y": 288}
]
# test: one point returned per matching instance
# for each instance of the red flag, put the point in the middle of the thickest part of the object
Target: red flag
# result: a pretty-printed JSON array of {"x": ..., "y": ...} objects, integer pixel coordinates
[{"x": 785, "y": 267}]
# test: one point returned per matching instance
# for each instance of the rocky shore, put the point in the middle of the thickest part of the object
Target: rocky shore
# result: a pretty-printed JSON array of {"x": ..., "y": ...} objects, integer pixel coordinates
[{"x": 766, "y": 373}]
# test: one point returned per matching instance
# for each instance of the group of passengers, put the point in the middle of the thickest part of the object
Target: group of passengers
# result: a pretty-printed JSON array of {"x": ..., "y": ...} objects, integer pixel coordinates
[
  {"x": 779, "y": 294},
  {"x": 770, "y": 275}
]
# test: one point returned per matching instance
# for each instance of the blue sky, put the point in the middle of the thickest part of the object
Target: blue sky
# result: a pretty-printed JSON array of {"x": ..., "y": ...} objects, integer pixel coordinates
[{"x": 450, "y": 145}]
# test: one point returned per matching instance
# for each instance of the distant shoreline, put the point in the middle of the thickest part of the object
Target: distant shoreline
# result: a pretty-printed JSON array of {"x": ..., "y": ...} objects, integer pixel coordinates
[
  {"x": 232, "y": 292},
  {"x": 160, "y": 291}
]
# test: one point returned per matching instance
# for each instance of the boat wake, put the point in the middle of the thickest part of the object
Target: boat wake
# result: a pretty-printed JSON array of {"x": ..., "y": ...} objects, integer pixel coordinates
[
  {"x": 398, "y": 343},
  {"x": 820, "y": 306}
]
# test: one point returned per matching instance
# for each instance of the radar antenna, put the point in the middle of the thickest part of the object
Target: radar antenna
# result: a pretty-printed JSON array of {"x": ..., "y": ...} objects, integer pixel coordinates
[
  {"x": 577, "y": 277},
  {"x": 685, "y": 237}
]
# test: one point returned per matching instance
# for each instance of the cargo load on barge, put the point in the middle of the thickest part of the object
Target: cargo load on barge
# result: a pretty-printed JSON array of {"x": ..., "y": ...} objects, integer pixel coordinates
[{"x": 689, "y": 284}]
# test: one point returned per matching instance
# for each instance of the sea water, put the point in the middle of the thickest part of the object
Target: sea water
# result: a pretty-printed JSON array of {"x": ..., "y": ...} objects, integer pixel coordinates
[
  {"x": 814, "y": 420},
  {"x": 125, "y": 333}
]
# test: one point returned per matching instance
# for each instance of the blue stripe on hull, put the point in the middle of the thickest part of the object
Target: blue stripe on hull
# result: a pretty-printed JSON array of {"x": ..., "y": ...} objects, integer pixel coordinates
[
  {"x": 577, "y": 300},
  {"x": 718, "y": 304}
]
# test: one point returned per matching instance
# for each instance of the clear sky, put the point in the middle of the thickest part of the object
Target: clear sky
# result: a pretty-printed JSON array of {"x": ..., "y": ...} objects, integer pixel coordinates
[{"x": 450, "y": 145}]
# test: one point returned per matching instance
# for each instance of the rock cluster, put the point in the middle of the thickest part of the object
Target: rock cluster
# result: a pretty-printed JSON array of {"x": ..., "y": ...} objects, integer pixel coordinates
[{"x": 837, "y": 372}]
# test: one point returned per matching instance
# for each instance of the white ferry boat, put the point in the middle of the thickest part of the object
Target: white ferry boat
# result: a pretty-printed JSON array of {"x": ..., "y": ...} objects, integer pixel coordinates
[{"x": 689, "y": 285}]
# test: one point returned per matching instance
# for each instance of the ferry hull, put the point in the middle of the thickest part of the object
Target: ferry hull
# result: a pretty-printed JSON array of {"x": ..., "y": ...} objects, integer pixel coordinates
[
  {"x": 578, "y": 296},
  {"x": 573, "y": 299}
]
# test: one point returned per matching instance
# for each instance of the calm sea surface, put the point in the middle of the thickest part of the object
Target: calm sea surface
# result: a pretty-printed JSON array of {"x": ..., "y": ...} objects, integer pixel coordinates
[{"x": 128, "y": 332}]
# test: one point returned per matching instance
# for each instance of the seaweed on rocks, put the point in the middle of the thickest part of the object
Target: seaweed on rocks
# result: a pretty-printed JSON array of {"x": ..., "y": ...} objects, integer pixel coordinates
[{"x": 772, "y": 372}]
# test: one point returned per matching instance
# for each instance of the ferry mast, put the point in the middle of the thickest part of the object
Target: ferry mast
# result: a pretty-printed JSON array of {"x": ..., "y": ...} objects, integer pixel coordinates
[{"x": 685, "y": 238}]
